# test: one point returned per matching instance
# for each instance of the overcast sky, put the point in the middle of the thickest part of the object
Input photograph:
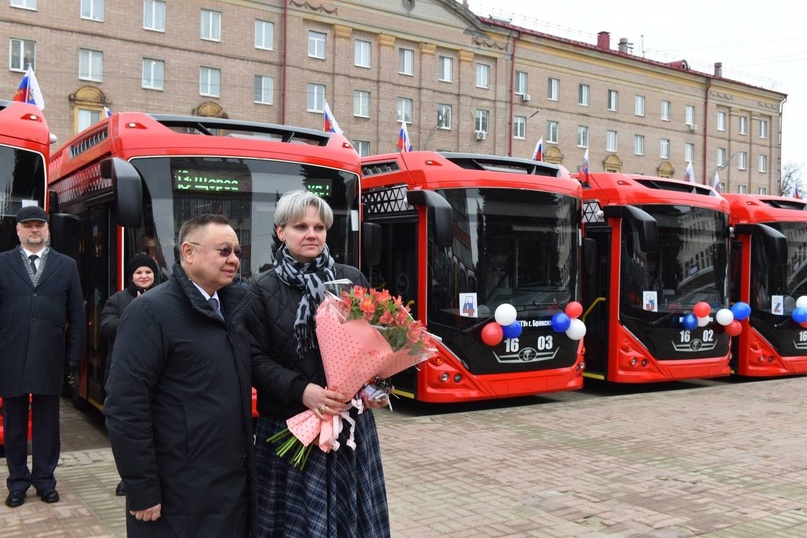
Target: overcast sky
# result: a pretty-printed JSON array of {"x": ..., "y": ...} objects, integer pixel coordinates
[{"x": 763, "y": 44}]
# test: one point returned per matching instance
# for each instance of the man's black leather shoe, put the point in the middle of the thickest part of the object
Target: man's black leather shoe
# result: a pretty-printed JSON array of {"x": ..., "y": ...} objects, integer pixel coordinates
[
  {"x": 48, "y": 495},
  {"x": 15, "y": 498},
  {"x": 120, "y": 489}
]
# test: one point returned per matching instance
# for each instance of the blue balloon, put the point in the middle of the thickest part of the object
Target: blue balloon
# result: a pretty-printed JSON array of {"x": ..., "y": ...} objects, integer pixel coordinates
[
  {"x": 690, "y": 322},
  {"x": 561, "y": 322},
  {"x": 740, "y": 310},
  {"x": 513, "y": 330},
  {"x": 800, "y": 315}
]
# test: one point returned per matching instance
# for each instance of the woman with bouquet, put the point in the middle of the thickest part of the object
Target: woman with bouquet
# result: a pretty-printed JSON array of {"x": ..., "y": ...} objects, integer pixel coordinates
[{"x": 340, "y": 492}]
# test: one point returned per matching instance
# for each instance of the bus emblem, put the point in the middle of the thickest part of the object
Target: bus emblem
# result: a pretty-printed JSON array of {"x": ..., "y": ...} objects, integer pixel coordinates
[
  {"x": 694, "y": 346},
  {"x": 527, "y": 354}
]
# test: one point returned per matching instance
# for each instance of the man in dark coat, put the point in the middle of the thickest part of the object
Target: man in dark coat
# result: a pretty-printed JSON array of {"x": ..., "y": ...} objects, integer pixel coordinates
[
  {"x": 178, "y": 406},
  {"x": 42, "y": 331}
]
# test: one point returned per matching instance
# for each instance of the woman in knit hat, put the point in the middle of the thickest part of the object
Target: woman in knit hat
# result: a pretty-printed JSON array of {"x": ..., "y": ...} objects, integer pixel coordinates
[{"x": 142, "y": 270}]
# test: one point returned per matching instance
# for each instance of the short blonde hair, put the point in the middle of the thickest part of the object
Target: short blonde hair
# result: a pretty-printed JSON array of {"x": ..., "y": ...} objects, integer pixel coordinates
[{"x": 293, "y": 205}]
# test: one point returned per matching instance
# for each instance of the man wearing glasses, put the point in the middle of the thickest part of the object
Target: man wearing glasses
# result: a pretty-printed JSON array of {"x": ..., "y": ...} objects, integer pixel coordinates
[{"x": 178, "y": 406}]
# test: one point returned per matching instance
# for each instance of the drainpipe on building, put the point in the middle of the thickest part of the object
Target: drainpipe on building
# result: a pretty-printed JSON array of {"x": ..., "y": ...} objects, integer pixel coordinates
[
  {"x": 283, "y": 69},
  {"x": 512, "y": 93},
  {"x": 781, "y": 111},
  {"x": 706, "y": 126}
]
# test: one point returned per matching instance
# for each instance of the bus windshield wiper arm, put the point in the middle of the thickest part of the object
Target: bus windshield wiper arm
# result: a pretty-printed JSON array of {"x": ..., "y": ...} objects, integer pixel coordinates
[
  {"x": 475, "y": 326},
  {"x": 664, "y": 318}
]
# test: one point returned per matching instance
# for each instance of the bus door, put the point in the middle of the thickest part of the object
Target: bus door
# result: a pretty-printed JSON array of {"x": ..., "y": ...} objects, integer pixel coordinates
[{"x": 595, "y": 293}]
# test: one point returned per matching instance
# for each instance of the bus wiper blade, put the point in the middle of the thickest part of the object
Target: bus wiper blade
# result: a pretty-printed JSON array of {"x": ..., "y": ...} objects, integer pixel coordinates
[
  {"x": 665, "y": 318},
  {"x": 475, "y": 326}
]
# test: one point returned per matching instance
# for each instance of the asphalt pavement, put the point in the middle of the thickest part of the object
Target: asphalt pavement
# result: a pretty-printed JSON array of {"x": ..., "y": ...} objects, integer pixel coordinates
[{"x": 713, "y": 459}]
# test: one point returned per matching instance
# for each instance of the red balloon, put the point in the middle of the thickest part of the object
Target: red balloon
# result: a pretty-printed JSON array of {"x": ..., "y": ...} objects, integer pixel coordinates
[
  {"x": 492, "y": 334},
  {"x": 574, "y": 309},
  {"x": 701, "y": 309},
  {"x": 803, "y": 324},
  {"x": 734, "y": 328}
]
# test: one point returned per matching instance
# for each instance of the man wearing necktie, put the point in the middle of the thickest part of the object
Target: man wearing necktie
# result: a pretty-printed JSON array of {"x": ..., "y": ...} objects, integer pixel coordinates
[{"x": 42, "y": 330}]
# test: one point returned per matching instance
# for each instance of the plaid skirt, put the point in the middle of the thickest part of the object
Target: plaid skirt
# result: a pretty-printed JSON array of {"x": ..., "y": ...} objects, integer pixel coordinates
[{"x": 339, "y": 494}]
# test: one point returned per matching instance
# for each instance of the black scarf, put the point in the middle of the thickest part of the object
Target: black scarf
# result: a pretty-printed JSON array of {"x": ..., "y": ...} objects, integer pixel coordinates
[{"x": 309, "y": 278}]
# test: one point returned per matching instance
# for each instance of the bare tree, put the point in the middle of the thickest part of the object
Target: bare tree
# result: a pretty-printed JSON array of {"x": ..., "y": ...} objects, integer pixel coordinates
[{"x": 791, "y": 176}]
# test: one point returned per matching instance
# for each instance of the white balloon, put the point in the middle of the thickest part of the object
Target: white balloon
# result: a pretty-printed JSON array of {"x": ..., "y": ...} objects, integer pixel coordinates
[
  {"x": 576, "y": 330},
  {"x": 724, "y": 316},
  {"x": 505, "y": 314},
  {"x": 703, "y": 322},
  {"x": 801, "y": 302}
]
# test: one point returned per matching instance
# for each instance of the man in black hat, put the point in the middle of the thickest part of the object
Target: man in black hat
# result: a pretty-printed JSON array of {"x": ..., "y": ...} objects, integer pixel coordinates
[{"x": 42, "y": 332}]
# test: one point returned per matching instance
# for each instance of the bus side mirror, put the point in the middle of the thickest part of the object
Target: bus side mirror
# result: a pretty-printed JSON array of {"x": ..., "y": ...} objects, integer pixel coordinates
[
  {"x": 646, "y": 225},
  {"x": 65, "y": 231},
  {"x": 371, "y": 243},
  {"x": 589, "y": 255},
  {"x": 440, "y": 213},
  {"x": 775, "y": 242},
  {"x": 127, "y": 188}
]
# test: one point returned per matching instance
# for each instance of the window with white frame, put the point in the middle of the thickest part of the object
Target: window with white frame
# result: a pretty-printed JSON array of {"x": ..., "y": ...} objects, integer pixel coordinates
[
  {"x": 482, "y": 76},
  {"x": 153, "y": 74},
  {"x": 742, "y": 160},
  {"x": 481, "y": 121},
  {"x": 552, "y": 131},
  {"x": 721, "y": 156},
  {"x": 689, "y": 117},
  {"x": 721, "y": 120},
  {"x": 316, "y": 98},
  {"x": 90, "y": 65},
  {"x": 611, "y": 141},
  {"x": 209, "y": 81},
  {"x": 613, "y": 100},
  {"x": 763, "y": 128},
  {"x": 87, "y": 117},
  {"x": 763, "y": 190},
  {"x": 520, "y": 127},
  {"x": 582, "y": 136},
  {"x": 445, "y": 67},
  {"x": 316, "y": 44},
  {"x": 664, "y": 148},
  {"x": 404, "y": 108},
  {"x": 154, "y": 15},
  {"x": 92, "y": 10},
  {"x": 741, "y": 189},
  {"x": 361, "y": 103},
  {"x": 521, "y": 83},
  {"x": 264, "y": 89},
  {"x": 444, "y": 116},
  {"x": 638, "y": 106},
  {"x": 638, "y": 144},
  {"x": 21, "y": 54},
  {"x": 763, "y": 163},
  {"x": 406, "y": 62},
  {"x": 26, "y": 4},
  {"x": 743, "y": 125},
  {"x": 264, "y": 35},
  {"x": 211, "y": 25},
  {"x": 666, "y": 110},
  {"x": 361, "y": 53},
  {"x": 362, "y": 147},
  {"x": 583, "y": 94},
  {"x": 689, "y": 152},
  {"x": 553, "y": 89}
]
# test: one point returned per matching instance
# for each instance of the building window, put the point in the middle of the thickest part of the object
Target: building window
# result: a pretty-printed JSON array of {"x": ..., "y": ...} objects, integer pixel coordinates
[
  {"x": 90, "y": 65},
  {"x": 482, "y": 76},
  {"x": 721, "y": 156},
  {"x": 361, "y": 103},
  {"x": 316, "y": 98},
  {"x": 316, "y": 44},
  {"x": 445, "y": 66},
  {"x": 406, "y": 62},
  {"x": 638, "y": 145},
  {"x": 743, "y": 125},
  {"x": 639, "y": 106},
  {"x": 763, "y": 128},
  {"x": 520, "y": 127},
  {"x": 26, "y": 4},
  {"x": 92, "y": 10},
  {"x": 742, "y": 160},
  {"x": 763, "y": 163},
  {"x": 611, "y": 143},
  {"x": 209, "y": 81},
  {"x": 154, "y": 15},
  {"x": 763, "y": 190},
  {"x": 264, "y": 87},
  {"x": 264, "y": 35},
  {"x": 211, "y": 25},
  {"x": 666, "y": 111},
  {"x": 583, "y": 94},
  {"x": 362, "y": 147},
  {"x": 361, "y": 53},
  {"x": 582, "y": 136},
  {"x": 690, "y": 115},
  {"x": 613, "y": 100},
  {"x": 444, "y": 116},
  {"x": 405, "y": 107},
  {"x": 153, "y": 77},
  {"x": 87, "y": 117},
  {"x": 552, "y": 131},
  {"x": 664, "y": 148},
  {"x": 22, "y": 53},
  {"x": 689, "y": 152},
  {"x": 553, "y": 89},
  {"x": 481, "y": 121},
  {"x": 741, "y": 189},
  {"x": 721, "y": 120},
  {"x": 521, "y": 83}
]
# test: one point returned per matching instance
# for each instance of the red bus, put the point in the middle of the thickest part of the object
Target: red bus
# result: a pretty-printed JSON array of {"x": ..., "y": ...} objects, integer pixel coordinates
[
  {"x": 24, "y": 150},
  {"x": 461, "y": 235},
  {"x": 653, "y": 248},
  {"x": 132, "y": 179},
  {"x": 769, "y": 272}
]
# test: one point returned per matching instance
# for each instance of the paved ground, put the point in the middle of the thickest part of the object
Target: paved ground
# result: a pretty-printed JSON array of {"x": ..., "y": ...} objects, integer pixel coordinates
[{"x": 721, "y": 459}]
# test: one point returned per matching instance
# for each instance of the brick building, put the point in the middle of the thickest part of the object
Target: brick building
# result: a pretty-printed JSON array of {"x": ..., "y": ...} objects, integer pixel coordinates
[{"x": 462, "y": 82}]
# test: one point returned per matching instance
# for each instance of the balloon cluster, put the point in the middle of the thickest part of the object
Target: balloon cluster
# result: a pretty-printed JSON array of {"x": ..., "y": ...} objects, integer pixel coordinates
[
  {"x": 729, "y": 318},
  {"x": 505, "y": 326},
  {"x": 800, "y": 312},
  {"x": 567, "y": 322}
]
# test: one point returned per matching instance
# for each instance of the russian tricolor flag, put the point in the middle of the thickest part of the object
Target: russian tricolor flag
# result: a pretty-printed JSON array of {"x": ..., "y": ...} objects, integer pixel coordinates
[
  {"x": 28, "y": 91},
  {"x": 330, "y": 125},
  {"x": 404, "y": 144},
  {"x": 538, "y": 154}
]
